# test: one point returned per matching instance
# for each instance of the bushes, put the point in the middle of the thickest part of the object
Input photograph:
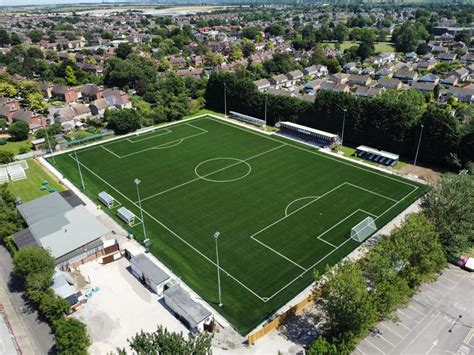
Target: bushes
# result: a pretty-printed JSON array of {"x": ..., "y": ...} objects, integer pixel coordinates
[
  {"x": 19, "y": 130},
  {"x": 35, "y": 266},
  {"x": 6, "y": 157},
  {"x": 10, "y": 220},
  {"x": 357, "y": 295}
]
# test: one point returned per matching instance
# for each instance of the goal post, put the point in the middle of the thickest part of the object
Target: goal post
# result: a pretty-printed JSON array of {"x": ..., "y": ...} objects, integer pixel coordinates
[{"x": 363, "y": 230}]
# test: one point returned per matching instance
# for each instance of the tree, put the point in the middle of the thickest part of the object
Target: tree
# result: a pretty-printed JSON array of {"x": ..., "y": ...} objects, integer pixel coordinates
[
  {"x": 6, "y": 156},
  {"x": 122, "y": 121},
  {"x": 250, "y": 32},
  {"x": 36, "y": 103},
  {"x": 346, "y": 302},
  {"x": 164, "y": 342},
  {"x": 19, "y": 130},
  {"x": 7, "y": 90},
  {"x": 70, "y": 76},
  {"x": 33, "y": 260},
  {"x": 28, "y": 87},
  {"x": 463, "y": 36},
  {"x": 449, "y": 205},
  {"x": 323, "y": 347},
  {"x": 35, "y": 35},
  {"x": 4, "y": 38},
  {"x": 52, "y": 306},
  {"x": 235, "y": 53},
  {"x": 123, "y": 50},
  {"x": 71, "y": 337}
]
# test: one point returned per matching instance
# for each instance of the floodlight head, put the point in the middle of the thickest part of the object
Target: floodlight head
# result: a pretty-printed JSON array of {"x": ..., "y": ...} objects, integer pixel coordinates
[
  {"x": 137, "y": 181},
  {"x": 344, "y": 109},
  {"x": 216, "y": 235}
]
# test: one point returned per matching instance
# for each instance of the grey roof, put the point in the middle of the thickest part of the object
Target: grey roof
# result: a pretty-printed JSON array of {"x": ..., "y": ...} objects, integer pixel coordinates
[
  {"x": 24, "y": 239},
  {"x": 59, "y": 227},
  {"x": 182, "y": 304},
  {"x": 150, "y": 269},
  {"x": 43, "y": 208},
  {"x": 71, "y": 198}
]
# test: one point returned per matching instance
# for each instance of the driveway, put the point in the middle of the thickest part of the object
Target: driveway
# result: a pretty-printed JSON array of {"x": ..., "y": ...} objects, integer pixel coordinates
[
  {"x": 38, "y": 331},
  {"x": 438, "y": 320}
]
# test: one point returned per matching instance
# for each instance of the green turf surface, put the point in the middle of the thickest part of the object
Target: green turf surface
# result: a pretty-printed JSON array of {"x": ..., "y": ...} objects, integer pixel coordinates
[{"x": 283, "y": 209}]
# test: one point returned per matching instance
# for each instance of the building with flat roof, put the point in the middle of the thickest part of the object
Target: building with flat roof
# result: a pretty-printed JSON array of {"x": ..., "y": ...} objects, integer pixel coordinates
[
  {"x": 149, "y": 273},
  {"x": 61, "y": 225}
]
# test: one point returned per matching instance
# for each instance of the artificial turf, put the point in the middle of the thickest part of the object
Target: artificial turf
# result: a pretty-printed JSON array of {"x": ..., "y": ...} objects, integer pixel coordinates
[{"x": 283, "y": 209}]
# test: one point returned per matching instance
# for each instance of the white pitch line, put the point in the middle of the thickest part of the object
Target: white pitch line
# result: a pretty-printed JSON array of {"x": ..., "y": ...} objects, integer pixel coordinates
[
  {"x": 164, "y": 130},
  {"x": 172, "y": 232},
  {"x": 298, "y": 199},
  {"x": 199, "y": 128},
  {"x": 338, "y": 223},
  {"x": 325, "y": 241},
  {"x": 108, "y": 150},
  {"x": 280, "y": 254},
  {"x": 372, "y": 192},
  {"x": 211, "y": 173},
  {"x": 354, "y": 165}
]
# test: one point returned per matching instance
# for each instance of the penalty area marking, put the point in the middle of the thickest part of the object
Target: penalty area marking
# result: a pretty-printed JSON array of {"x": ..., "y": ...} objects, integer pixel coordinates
[
  {"x": 299, "y": 199},
  {"x": 162, "y": 132},
  {"x": 239, "y": 161}
]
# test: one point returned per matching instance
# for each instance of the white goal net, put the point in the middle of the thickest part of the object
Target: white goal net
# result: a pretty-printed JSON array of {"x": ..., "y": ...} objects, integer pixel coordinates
[{"x": 363, "y": 230}]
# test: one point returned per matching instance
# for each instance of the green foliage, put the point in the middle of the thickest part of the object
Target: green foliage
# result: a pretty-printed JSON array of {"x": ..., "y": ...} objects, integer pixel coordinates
[
  {"x": 6, "y": 156},
  {"x": 164, "y": 342},
  {"x": 70, "y": 76},
  {"x": 321, "y": 346},
  {"x": 122, "y": 121},
  {"x": 123, "y": 50},
  {"x": 7, "y": 90},
  {"x": 450, "y": 207},
  {"x": 33, "y": 260},
  {"x": 52, "y": 306},
  {"x": 19, "y": 130},
  {"x": 10, "y": 220},
  {"x": 36, "y": 103},
  {"x": 71, "y": 337}
]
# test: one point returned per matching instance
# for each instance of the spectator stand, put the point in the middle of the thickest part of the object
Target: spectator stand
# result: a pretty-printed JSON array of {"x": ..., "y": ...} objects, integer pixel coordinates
[
  {"x": 247, "y": 119},
  {"x": 377, "y": 156},
  {"x": 315, "y": 136}
]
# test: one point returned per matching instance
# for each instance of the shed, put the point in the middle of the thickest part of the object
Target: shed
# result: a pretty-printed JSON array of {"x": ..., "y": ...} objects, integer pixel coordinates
[
  {"x": 126, "y": 215},
  {"x": 148, "y": 272},
  {"x": 191, "y": 313}
]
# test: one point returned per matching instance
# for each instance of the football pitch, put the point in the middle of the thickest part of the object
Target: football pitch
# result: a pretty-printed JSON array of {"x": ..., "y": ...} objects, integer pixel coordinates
[{"x": 283, "y": 209}]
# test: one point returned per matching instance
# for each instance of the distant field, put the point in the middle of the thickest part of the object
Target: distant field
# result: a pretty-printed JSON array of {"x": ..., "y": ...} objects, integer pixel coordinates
[
  {"x": 283, "y": 209},
  {"x": 379, "y": 47}
]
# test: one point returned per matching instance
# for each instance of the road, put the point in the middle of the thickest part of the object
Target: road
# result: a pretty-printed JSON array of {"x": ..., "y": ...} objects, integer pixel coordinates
[
  {"x": 438, "y": 320},
  {"x": 38, "y": 331}
]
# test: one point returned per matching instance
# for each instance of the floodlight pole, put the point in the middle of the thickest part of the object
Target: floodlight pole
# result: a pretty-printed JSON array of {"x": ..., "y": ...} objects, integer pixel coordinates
[
  {"x": 265, "y": 110},
  {"x": 137, "y": 182},
  {"x": 49, "y": 145},
  {"x": 80, "y": 171},
  {"x": 216, "y": 236},
  {"x": 225, "y": 101},
  {"x": 418, "y": 147},
  {"x": 343, "y": 125}
]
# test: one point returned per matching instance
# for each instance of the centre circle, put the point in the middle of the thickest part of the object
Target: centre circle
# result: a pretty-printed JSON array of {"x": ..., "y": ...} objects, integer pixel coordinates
[{"x": 231, "y": 162}]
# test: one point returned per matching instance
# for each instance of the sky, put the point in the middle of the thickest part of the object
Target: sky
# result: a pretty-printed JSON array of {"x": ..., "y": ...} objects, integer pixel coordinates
[{"x": 46, "y": 2}]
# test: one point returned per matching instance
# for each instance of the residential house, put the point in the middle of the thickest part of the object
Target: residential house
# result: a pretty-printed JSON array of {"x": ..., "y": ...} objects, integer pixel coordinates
[
  {"x": 92, "y": 92},
  {"x": 406, "y": 76},
  {"x": 462, "y": 74},
  {"x": 439, "y": 50},
  {"x": 450, "y": 81},
  {"x": 278, "y": 80},
  {"x": 368, "y": 71},
  {"x": 467, "y": 58},
  {"x": 178, "y": 62},
  {"x": 447, "y": 57},
  {"x": 359, "y": 80},
  {"x": 262, "y": 84},
  {"x": 429, "y": 78},
  {"x": 339, "y": 78},
  {"x": 349, "y": 67},
  {"x": 313, "y": 86},
  {"x": 64, "y": 93},
  {"x": 193, "y": 72},
  {"x": 465, "y": 95},
  {"x": 423, "y": 87},
  {"x": 7, "y": 107},
  {"x": 411, "y": 57},
  {"x": 34, "y": 120},
  {"x": 294, "y": 76},
  {"x": 427, "y": 64},
  {"x": 334, "y": 86},
  {"x": 197, "y": 60},
  {"x": 365, "y": 91},
  {"x": 117, "y": 98},
  {"x": 98, "y": 107},
  {"x": 383, "y": 73},
  {"x": 390, "y": 84},
  {"x": 70, "y": 116},
  {"x": 316, "y": 70},
  {"x": 46, "y": 89}
]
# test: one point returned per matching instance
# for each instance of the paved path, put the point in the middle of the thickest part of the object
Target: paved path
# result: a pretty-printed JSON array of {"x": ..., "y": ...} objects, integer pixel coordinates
[
  {"x": 33, "y": 335},
  {"x": 438, "y": 320}
]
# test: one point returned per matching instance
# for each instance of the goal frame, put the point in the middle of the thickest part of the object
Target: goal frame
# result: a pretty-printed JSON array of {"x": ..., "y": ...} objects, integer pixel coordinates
[{"x": 363, "y": 230}]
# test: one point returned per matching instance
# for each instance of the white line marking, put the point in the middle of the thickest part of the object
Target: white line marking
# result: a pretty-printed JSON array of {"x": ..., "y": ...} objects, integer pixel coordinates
[
  {"x": 298, "y": 199},
  {"x": 172, "y": 232},
  {"x": 375, "y": 347},
  {"x": 372, "y": 192},
  {"x": 164, "y": 130},
  {"x": 199, "y": 128},
  {"x": 108, "y": 150},
  {"x": 276, "y": 252},
  {"x": 325, "y": 241},
  {"x": 211, "y": 173},
  {"x": 338, "y": 223},
  {"x": 390, "y": 329},
  {"x": 423, "y": 329}
]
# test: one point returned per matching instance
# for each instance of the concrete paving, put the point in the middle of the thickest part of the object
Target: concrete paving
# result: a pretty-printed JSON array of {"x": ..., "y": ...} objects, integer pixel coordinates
[
  {"x": 33, "y": 334},
  {"x": 438, "y": 320}
]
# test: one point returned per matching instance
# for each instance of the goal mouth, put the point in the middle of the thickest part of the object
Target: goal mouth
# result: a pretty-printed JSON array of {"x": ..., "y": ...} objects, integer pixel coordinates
[{"x": 363, "y": 230}]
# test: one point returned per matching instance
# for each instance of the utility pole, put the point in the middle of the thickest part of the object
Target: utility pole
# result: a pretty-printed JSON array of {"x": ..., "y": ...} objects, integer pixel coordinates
[
  {"x": 343, "y": 125},
  {"x": 49, "y": 145},
  {"x": 418, "y": 147},
  {"x": 216, "y": 236},
  {"x": 146, "y": 240},
  {"x": 265, "y": 110},
  {"x": 80, "y": 171},
  {"x": 225, "y": 101}
]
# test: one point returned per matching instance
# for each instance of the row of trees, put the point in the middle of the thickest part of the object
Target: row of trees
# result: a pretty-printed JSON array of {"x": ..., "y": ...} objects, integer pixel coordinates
[
  {"x": 355, "y": 296},
  {"x": 391, "y": 121},
  {"x": 35, "y": 267}
]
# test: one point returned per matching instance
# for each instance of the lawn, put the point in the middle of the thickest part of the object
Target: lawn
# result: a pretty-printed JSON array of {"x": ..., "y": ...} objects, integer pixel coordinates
[
  {"x": 283, "y": 209},
  {"x": 15, "y": 147},
  {"x": 29, "y": 189},
  {"x": 379, "y": 47}
]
